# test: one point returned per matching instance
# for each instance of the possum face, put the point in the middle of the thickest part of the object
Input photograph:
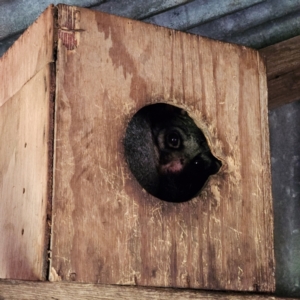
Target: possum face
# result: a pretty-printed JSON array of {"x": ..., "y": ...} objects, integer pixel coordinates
[
  {"x": 168, "y": 153},
  {"x": 176, "y": 150}
]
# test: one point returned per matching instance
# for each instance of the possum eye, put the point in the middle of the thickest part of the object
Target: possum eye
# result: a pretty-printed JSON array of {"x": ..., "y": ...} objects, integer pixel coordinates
[{"x": 173, "y": 139}]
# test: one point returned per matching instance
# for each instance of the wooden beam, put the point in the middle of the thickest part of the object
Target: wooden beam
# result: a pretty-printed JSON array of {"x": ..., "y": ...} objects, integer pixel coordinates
[
  {"x": 30, "y": 290},
  {"x": 283, "y": 71}
]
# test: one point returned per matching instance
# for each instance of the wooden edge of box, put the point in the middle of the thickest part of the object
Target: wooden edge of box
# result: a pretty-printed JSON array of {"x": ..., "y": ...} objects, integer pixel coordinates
[
  {"x": 32, "y": 54},
  {"x": 63, "y": 290},
  {"x": 27, "y": 56}
]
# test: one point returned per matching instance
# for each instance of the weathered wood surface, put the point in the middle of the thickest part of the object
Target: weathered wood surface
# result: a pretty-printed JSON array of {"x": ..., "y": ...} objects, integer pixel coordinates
[
  {"x": 30, "y": 54},
  {"x": 25, "y": 80},
  {"x": 106, "y": 229},
  {"x": 16, "y": 290},
  {"x": 24, "y": 135},
  {"x": 283, "y": 71}
]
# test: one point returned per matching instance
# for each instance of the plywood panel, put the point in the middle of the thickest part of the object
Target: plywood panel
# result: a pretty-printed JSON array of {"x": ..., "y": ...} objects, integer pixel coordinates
[
  {"x": 24, "y": 159},
  {"x": 29, "y": 54},
  {"x": 26, "y": 91},
  {"x": 106, "y": 228}
]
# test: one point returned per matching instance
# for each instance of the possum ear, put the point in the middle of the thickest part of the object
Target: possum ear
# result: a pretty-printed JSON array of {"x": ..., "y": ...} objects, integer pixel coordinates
[{"x": 167, "y": 153}]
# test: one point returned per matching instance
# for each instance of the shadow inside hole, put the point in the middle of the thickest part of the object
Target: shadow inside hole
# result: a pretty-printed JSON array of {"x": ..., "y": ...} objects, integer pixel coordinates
[{"x": 167, "y": 153}]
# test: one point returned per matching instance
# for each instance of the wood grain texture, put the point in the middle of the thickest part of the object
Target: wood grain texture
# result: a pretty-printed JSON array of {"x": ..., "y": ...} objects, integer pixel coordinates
[
  {"x": 24, "y": 135},
  {"x": 16, "y": 290},
  {"x": 283, "y": 65},
  {"x": 106, "y": 229},
  {"x": 26, "y": 91},
  {"x": 29, "y": 54}
]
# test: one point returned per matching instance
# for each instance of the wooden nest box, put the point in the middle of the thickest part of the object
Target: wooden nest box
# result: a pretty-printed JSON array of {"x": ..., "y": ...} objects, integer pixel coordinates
[{"x": 69, "y": 87}]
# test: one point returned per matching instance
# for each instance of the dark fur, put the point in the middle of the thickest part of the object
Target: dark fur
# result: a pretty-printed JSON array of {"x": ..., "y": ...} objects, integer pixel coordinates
[{"x": 168, "y": 153}]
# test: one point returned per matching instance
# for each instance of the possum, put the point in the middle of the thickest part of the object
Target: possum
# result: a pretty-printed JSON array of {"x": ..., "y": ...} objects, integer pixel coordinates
[{"x": 167, "y": 153}]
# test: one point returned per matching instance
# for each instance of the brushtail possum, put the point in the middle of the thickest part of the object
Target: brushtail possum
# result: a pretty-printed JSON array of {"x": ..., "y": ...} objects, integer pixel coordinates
[{"x": 167, "y": 153}]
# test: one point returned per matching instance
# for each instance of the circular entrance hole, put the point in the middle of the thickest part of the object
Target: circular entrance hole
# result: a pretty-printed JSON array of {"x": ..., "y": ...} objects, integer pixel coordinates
[{"x": 167, "y": 153}]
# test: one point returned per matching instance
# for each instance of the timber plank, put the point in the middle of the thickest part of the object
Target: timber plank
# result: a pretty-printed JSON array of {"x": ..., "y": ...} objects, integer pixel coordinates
[
  {"x": 24, "y": 159},
  {"x": 26, "y": 79},
  {"x": 283, "y": 65},
  {"x": 15, "y": 290},
  {"x": 106, "y": 229},
  {"x": 29, "y": 54}
]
